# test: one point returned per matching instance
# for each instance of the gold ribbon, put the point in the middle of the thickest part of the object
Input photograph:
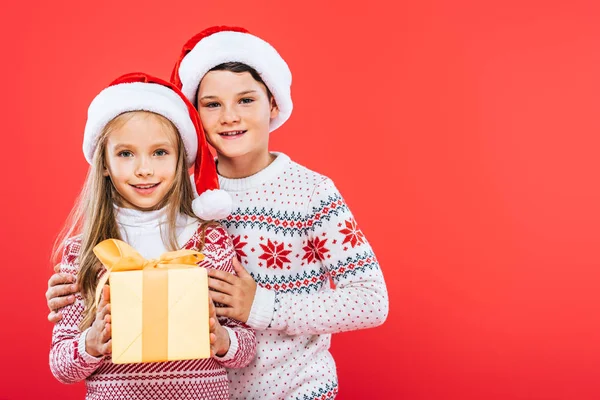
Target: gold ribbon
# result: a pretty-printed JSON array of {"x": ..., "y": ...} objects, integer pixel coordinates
[{"x": 118, "y": 256}]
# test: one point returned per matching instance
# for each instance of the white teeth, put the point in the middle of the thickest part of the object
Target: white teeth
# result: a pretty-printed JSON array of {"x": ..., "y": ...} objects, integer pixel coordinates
[
  {"x": 145, "y": 186},
  {"x": 232, "y": 133}
]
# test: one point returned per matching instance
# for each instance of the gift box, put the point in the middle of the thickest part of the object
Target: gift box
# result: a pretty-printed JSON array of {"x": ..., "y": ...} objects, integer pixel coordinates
[{"x": 159, "y": 308}]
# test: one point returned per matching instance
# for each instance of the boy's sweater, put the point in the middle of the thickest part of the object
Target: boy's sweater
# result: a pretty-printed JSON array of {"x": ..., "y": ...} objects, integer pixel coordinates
[{"x": 294, "y": 233}]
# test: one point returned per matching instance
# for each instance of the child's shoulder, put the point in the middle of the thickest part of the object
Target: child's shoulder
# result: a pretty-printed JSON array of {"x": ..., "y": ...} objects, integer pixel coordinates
[
  {"x": 214, "y": 242},
  {"x": 209, "y": 233},
  {"x": 299, "y": 174},
  {"x": 70, "y": 253},
  {"x": 71, "y": 248},
  {"x": 214, "y": 232}
]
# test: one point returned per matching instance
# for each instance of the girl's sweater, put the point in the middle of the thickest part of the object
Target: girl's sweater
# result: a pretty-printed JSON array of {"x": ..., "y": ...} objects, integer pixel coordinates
[{"x": 191, "y": 379}]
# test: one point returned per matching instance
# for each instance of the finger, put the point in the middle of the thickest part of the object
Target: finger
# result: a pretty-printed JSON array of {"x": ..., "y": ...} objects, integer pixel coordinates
[
  {"x": 57, "y": 268},
  {"x": 60, "y": 279},
  {"x": 106, "y": 348},
  {"x": 59, "y": 290},
  {"x": 106, "y": 293},
  {"x": 225, "y": 312},
  {"x": 106, "y": 333},
  {"x": 222, "y": 275},
  {"x": 220, "y": 286},
  {"x": 104, "y": 299},
  {"x": 54, "y": 316},
  {"x": 221, "y": 298},
  {"x": 213, "y": 338},
  {"x": 57, "y": 303},
  {"x": 212, "y": 323},
  {"x": 212, "y": 309},
  {"x": 101, "y": 314},
  {"x": 239, "y": 269},
  {"x": 107, "y": 318}
]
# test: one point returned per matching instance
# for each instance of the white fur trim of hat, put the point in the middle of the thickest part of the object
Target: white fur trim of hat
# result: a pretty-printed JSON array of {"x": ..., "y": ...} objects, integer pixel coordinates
[
  {"x": 230, "y": 46},
  {"x": 139, "y": 96}
]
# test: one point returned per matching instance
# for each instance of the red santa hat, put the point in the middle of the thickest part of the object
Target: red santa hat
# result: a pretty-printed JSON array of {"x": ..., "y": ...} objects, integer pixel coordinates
[
  {"x": 142, "y": 92},
  {"x": 222, "y": 44}
]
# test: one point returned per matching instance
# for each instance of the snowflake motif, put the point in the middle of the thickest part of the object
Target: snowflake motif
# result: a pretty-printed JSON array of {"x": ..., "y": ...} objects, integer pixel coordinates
[
  {"x": 315, "y": 250},
  {"x": 238, "y": 245},
  {"x": 274, "y": 255},
  {"x": 353, "y": 233}
]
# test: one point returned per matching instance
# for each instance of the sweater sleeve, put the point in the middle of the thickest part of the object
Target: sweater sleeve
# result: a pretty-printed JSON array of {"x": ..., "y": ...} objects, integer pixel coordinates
[
  {"x": 219, "y": 252},
  {"x": 334, "y": 241},
  {"x": 69, "y": 361}
]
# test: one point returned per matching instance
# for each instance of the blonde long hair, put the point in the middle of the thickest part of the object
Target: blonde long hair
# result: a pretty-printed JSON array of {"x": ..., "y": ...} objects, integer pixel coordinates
[{"x": 93, "y": 216}]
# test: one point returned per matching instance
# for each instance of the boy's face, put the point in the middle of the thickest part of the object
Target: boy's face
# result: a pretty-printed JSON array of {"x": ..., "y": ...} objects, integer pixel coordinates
[
  {"x": 141, "y": 160},
  {"x": 236, "y": 112}
]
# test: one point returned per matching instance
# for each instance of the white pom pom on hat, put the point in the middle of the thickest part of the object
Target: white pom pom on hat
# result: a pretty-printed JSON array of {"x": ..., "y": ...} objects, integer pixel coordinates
[
  {"x": 142, "y": 92},
  {"x": 213, "y": 204},
  {"x": 222, "y": 44}
]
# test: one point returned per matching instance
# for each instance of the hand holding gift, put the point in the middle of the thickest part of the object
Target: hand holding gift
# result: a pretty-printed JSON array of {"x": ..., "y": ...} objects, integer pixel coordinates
[
  {"x": 159, "y": 307},
  {"x": 98, "y": 341},
  {"x": 219, "y": 336}
]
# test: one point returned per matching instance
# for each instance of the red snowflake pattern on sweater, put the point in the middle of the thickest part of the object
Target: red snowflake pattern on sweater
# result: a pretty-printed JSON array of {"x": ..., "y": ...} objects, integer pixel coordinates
[
  {"x": 353, "y": 235},
  {"x": 239, "y": 245},
  {"x": 275, "y": 254},
  {"x": 315, "y": 250}
]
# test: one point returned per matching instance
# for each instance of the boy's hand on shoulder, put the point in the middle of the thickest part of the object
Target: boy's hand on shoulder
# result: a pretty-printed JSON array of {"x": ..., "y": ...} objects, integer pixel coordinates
[
  {"x": 60, "y": 293},
  {"x": 98, "y": 341},
  {"x": 235, "y": 293}
]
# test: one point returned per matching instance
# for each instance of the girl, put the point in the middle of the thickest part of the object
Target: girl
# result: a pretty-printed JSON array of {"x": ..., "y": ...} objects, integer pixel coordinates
[{"x": 140, "y": 138}]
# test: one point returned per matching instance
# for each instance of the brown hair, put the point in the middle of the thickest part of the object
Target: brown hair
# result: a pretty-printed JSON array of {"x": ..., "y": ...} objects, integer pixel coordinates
[{"x": 238, "y": 67}]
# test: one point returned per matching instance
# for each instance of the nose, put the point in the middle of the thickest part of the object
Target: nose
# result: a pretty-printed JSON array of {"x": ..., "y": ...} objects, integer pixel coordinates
[
  {"x": 144, "y": 167},
  {"x": 229, "y": 115}
]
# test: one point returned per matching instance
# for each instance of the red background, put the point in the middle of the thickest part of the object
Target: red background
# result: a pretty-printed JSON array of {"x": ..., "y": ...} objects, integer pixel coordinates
[{"x": 463, "y": 135}]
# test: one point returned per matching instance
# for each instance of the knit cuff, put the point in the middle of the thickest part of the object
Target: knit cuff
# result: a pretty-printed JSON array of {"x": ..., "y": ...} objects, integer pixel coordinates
[
  {"x": 263, "y": 309},
  {"x": 233, "y": 346},
  {"x": 84, "y": 354}
]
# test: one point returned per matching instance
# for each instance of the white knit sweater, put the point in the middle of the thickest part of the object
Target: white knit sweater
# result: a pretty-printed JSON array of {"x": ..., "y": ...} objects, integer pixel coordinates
[{"x": 293, "y": 232}]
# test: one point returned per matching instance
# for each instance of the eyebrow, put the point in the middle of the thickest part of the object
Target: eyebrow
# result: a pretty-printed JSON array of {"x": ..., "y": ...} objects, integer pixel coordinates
[
  {"x": 239, "y": 94},
  {"x": 128, "y": 146}
]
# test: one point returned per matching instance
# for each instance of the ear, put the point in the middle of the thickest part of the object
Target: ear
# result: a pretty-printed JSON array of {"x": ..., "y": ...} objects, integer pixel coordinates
[
  {"x": 105, "y": 171},
  {"x": 274, "y": 109}
]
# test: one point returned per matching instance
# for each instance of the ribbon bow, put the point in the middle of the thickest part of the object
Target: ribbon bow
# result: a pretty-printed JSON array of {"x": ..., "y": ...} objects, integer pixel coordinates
[{"x": 117, "y": 256}]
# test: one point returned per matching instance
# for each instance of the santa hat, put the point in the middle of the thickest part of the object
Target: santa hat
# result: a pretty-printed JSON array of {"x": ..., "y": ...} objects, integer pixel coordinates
[
  {"x": 142, "y": 92},
  {"x": 222, "y": 44}
]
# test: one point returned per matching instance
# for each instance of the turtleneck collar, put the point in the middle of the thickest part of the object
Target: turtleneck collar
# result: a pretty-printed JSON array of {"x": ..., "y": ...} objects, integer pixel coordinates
[
  {"x": 142, "y": 229},
  {"x": 130, "y": 217}
]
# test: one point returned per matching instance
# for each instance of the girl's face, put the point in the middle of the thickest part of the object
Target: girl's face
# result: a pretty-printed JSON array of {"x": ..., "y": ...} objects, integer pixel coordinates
[
  {"x": 236, "y": 112},
  {"x": 141, "y": 160}
]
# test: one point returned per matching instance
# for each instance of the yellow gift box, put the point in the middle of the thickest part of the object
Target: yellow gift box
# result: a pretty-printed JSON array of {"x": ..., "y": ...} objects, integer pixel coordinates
[{"x": 159, "y": 308}]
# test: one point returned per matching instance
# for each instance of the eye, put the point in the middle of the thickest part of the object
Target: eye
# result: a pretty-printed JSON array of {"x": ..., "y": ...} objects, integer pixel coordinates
[
  {"x": 246, "y": 100},
  {"x": 160, "y": 152},
  {"x": 125, "y": 153},
  {"x": 211, "y": 105}
]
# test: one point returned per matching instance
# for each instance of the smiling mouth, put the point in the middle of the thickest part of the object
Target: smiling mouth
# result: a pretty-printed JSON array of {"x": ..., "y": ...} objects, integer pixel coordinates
[
  {"x": 146, "y": 186},
  {"x": 232, "y": 133}
]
